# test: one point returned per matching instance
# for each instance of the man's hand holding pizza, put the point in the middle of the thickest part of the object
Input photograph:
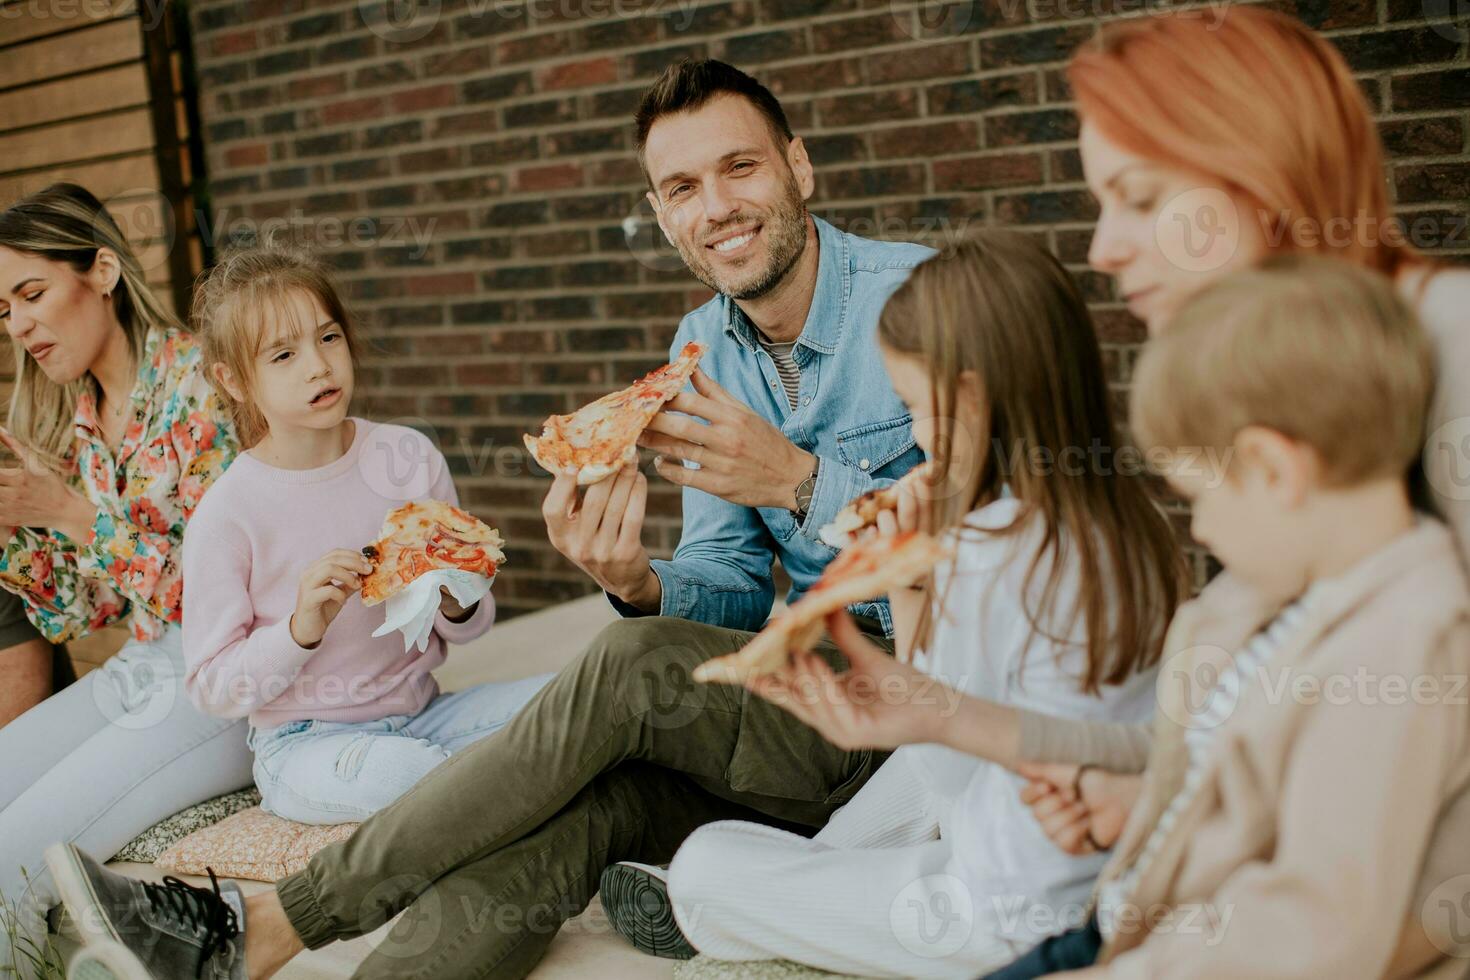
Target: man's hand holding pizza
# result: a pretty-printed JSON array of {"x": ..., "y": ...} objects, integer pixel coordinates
[
  {"x": 324, "y": 588},
  {"x": 742, "y": 458},
  {"x": 602, "y": 533}
]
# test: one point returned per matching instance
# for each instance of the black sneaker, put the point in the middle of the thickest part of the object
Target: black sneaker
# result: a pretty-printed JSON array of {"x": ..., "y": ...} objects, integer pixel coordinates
[
  {"x": 144, "y": 930},
  {"x": 636, "y": 900}
]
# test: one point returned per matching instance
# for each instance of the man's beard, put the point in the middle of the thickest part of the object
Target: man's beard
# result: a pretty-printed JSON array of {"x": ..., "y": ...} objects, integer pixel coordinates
[{"x": 785, "y": 229}]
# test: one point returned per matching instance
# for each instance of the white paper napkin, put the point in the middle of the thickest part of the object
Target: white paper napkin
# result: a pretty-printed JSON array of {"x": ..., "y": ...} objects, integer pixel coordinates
[{"x": 412, "y": 610}]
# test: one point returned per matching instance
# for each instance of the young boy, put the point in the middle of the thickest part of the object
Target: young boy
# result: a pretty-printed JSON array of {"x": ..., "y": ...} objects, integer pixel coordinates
[{"x": 1313, "y": 724}]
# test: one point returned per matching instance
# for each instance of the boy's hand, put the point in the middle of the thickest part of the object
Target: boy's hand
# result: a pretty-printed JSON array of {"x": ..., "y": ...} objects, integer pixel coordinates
[
  {"x": 452, "y": 610},
  {"x": 324, "y": 588},
  {"x": 1080, "y": 816}
]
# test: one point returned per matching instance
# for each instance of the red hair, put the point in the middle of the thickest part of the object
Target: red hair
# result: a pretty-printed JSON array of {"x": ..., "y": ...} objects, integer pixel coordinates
[{"x": 1258, "y": 102}]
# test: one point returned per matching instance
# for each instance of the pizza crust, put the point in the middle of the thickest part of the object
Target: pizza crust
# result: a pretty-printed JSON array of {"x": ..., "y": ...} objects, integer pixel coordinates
[
  {"x": 602, "y": 437},
  {"x": 900, "y": 561}
]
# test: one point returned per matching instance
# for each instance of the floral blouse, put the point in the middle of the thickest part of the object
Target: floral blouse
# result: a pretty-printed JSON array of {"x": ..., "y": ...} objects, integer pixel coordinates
[{"x": 179, "y": 439}]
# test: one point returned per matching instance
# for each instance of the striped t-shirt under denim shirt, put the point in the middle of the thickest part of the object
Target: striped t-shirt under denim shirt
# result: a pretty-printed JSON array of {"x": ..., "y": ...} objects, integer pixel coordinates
[
  {"x": 1113, "y": 894},
  {"x": 786, "y": 367}
]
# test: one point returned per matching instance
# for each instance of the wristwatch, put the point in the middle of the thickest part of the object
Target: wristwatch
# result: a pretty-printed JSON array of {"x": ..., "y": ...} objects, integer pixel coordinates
[{"x": 804, "y": 493}]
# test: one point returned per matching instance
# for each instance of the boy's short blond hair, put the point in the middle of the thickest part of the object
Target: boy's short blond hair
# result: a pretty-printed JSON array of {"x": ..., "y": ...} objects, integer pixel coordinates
[{"x": 1317, "y": 349}]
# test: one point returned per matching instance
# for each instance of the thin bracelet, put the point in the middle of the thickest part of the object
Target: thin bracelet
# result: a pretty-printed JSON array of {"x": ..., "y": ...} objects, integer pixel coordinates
[{"x": 1077, "y": 792}]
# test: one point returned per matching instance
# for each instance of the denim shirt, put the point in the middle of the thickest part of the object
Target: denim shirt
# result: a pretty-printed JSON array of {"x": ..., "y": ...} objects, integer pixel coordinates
[{"x": 847, "y": 414}]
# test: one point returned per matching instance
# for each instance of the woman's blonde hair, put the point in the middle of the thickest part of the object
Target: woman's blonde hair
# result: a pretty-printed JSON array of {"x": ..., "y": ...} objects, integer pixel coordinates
[
  {"x": 233, "y": 302},
  {"x": 66, "y": 223},
  {"x": 999, "y": 305}
]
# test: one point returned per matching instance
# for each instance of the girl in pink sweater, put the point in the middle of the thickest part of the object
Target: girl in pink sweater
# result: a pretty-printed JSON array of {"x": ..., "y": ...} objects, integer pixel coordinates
[{"x": 342, "y": 723}]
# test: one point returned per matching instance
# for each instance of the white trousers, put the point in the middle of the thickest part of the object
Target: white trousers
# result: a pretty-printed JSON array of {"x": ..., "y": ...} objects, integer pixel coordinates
[
  {"x": 102, "y": 761},
  {"x": 875, "y": 893}
]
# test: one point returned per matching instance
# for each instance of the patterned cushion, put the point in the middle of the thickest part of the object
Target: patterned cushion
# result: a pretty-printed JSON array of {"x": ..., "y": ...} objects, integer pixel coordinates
[
  {"x": 709, "y": 968},
  {"x": 152, "y": 842},
  {"x": 251, "y": 844}
]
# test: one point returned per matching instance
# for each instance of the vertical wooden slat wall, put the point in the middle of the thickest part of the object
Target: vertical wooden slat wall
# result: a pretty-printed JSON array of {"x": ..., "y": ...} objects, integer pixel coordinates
[{"x": 92, "y": 91}]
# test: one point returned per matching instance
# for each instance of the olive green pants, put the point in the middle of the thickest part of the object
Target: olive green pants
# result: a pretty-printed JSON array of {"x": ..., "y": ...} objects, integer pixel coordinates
[{"x": 620, "y": 757}]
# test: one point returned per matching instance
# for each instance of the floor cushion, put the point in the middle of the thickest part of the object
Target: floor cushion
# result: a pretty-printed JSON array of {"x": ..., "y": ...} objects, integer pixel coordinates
[
  {"x": 170, "y": 830},
  {"x": 251, "y": 844}
]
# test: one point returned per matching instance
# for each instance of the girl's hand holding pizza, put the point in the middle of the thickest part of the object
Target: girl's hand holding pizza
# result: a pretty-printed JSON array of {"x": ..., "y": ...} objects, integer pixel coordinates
[
  {"x": 32, "y": 494},
  {"x": 906, "y": 605},
  {"x": 892, "y": 523},
  {"x": 324, "y": 588},
  {"x": 877, "y": 703}
]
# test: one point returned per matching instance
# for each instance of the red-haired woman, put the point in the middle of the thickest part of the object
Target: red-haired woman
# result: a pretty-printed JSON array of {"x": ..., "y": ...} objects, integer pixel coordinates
[{"x": 1210, "y": 146}]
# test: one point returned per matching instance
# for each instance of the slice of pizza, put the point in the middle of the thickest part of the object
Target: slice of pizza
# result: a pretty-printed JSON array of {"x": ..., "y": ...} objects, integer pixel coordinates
[
  {"x": 872, "y": 567},
  {"x": 600, "y": 438},
  {"x": 424, "y": 536},
  {"x": 862, "y": 513}
]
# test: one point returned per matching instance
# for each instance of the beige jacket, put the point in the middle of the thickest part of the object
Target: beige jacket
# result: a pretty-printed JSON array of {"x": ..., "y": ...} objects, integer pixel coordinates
[{"x": 1303, "y": 850}]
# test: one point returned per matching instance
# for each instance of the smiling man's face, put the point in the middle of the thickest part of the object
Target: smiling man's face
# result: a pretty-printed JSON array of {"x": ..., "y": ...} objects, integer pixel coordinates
[{"x": 728, "y": 196}]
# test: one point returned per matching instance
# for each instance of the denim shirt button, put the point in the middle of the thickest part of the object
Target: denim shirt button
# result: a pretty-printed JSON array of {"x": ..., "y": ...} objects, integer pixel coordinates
[{"x": 863, "y": 465}]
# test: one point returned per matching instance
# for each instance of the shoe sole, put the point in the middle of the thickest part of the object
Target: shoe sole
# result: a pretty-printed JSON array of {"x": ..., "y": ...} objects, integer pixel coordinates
[
  {"x": 93, "y": 926},
  {"x": 637, "y": 904},
  {"x": 106, "y": 961}
]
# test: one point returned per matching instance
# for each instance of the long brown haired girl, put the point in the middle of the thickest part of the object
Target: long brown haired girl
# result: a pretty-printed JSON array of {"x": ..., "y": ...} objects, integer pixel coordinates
[{"x": 1064, "y": 576}]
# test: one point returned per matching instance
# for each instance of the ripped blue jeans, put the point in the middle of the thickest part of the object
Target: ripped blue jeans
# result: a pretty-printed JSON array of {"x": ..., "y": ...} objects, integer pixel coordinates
[{"x": 325, "y": 772}]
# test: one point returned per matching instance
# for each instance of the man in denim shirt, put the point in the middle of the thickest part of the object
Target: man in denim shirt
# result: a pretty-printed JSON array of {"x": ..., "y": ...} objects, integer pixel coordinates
[
  {"x": 621, "y": 756},
  {"x": 770, "y": 473}
]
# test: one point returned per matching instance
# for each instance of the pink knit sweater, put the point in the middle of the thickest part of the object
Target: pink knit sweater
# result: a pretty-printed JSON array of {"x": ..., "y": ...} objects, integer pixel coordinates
[{"x": 249, "y": 541}]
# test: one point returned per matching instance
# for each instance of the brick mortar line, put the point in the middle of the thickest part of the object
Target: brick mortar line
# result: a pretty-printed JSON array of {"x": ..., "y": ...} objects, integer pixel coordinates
[
  {"x": 560, "y": 127},
  {"x": 540, "y": 65},
  {"x": 434, "y": 209},
  {"x": 551, "y": 95},
  {"x": 517, "y": 195},
  {"x": 572, "y": 126},
  {"x": 398, "y": 179}
]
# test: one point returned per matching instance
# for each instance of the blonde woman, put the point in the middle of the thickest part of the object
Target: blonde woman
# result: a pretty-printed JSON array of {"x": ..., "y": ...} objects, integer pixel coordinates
[{"x": 115, "y": 435}]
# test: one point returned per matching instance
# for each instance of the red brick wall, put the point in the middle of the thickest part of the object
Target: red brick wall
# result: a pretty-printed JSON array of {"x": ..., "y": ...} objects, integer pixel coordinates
[{"x": 500, "y": 133}]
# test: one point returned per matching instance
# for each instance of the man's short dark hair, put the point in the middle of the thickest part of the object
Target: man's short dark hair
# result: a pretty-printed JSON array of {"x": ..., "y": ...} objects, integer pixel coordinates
[{"x": 689, "y": 84}]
